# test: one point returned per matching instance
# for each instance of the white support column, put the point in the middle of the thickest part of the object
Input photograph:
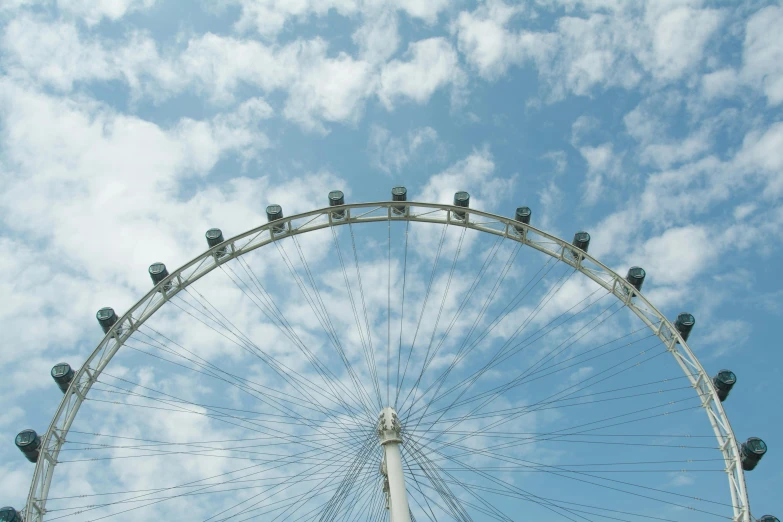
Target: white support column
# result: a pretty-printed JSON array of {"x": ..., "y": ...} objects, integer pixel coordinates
[{"x": 390, "y": 437}]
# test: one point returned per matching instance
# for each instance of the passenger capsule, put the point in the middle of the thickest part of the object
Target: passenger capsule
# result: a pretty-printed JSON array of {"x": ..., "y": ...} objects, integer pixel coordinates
[
  {"x": 765, "y": 518},
  {"x": 723, "y": 383},
  {"x": 29, "y": 443},
  {"x": 106, "y": 318},
  {"x": 636, "y": 275},
  {"x": 399, "y": 194},
  {"x": 62, "y": 373},
  {"x": 9, "y": 514},
  {"x": 273, "y": 213},
  {"x": 336, "y": 198},
  {"x": 461, "y": 199},
  {"x": 751, "y": 452},
  {"x": 215, "y": 237},
  {"x": 158, "y": 273},
  {"x": 684, "y": 325},
  {"x": 581, "y": 241},
  {"x": 522, "y": 215}
]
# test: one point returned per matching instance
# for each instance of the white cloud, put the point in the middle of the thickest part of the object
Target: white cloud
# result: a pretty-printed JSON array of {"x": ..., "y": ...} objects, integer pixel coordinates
[
  {"x": 720, "y": 84},
  {"x": 609, "y": 46},
  {"x": 10, "y": 415},
  {"x": 90, "y": 11},
  {"x": 582, "y": 127},
  {"x": 432, "y": 64},
  {"x": 328, "y": 89},
  {"x": 762, "y": 153},
  {"x": 484, "y": 40},
  {"x": 762, "y": 55},
  {"x": 54, "y": 53},
  {"x": 93, "y": 11},
  {"x": 678, "y": 202},
  {"x": 601, "y": 162},
  {"x": 321, "y": 86},
  {"x": 378, "y": 37},
  {"x": 268, "y": 17},
  {"x": 237, "y": 131},
  {"x": 390, "y": 153},
  {"x": 761, "y": 70},
  {"x": 427, "y": 11},
  {"x": 387, "y": 152},
  {"x": 474, "y": 174},
  {"x": 220, "y": 65},
  {"x": 58, "y": 55},
  {"x": 559, "y": 158},
  {"x": 648, "y": 125},
  {"x": 743, "y": 211},
  {"x": 679, "y": 38},
  {"x": 551, "y": 201},
  {"x": 79, "y": 175},
  {"x": 724, "y": 336},
  {"x": 679, "y": 254}
]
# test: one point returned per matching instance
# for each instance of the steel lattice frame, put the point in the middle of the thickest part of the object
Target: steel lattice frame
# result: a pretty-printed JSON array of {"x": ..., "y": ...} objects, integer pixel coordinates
[{"x": 184, "y": 276}]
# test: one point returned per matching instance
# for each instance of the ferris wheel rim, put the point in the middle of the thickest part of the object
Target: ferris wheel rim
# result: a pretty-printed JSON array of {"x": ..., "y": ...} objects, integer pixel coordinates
[{"x": 337, "y": 215}]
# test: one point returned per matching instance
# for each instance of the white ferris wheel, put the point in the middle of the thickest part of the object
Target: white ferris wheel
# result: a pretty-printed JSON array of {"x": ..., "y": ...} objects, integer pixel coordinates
[{"x": 396, "y": 361}]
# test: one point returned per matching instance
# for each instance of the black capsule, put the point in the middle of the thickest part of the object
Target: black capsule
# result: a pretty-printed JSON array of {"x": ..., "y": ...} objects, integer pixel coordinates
[
  {"x": 336, "y": 198},
  {"x": 751, "y": 452},
  {"x": 636, "y": 275},
  {"x": 106, "y": 318},
  {"x": 684, "y": 325},
  {"x": 158, "y": 273},
  {"x": 273, "y": 213},
  {"x": 399, "y": 194},
  {"x": 215, "y": 237},
  {"x": 523, "y": 215},
  {"x": 461, "y": 199},
  {"x": 62, "y": 373},
  {"x": 581, "y": 241},
  {"x": 29, "y": 443},
  {"x": 723, "y": 383},
  {"x": 9, "y": 514},
  {"x": 768, "y": 518}
]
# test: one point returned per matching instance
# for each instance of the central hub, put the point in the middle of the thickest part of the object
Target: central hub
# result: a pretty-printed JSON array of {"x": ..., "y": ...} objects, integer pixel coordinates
[{"x": 389, "y": 426}]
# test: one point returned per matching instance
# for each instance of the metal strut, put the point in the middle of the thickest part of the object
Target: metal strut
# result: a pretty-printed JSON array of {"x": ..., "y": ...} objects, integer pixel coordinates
[{"x": 389, "y": 429}]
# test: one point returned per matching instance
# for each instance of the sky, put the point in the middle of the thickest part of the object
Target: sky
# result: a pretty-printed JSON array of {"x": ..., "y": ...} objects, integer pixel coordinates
[{"x": 130, "y": 127}]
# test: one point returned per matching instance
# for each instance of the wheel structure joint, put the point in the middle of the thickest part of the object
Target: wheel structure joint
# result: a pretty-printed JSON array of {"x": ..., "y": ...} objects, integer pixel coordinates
[{"x": 389, "y": 427}]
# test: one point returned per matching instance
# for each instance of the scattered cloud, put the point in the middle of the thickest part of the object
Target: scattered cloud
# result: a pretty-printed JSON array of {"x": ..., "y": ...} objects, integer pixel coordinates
[
  {"x": 610, "y": 46},
  {"x": 269, "y": 17},
  {"x": 431, "y": 64},
  {"x": 762, "y": 54},
  {"x": 391, "y": 154},
  {"x": 476, "y": 174},
  {"x": 560, "y": 160},
  {"x": 601, "y": 163},
  {"x": 378, "y": 37}
]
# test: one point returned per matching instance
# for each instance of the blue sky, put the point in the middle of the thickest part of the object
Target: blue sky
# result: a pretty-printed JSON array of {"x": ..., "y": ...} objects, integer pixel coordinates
[{"x": 129, "y": 127}]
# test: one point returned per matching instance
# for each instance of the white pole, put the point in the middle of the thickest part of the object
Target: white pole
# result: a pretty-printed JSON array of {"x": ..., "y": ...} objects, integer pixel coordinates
[{"x": 389, "y": 435}]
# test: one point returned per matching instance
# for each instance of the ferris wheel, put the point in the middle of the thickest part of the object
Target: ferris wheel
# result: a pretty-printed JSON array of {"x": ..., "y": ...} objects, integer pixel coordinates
[{"x": 396, "y": 361}]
